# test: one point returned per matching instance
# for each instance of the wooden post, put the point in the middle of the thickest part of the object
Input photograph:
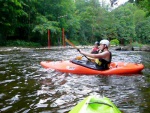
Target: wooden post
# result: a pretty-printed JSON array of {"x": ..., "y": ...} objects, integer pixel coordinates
[{"x": 48, "y": 38}]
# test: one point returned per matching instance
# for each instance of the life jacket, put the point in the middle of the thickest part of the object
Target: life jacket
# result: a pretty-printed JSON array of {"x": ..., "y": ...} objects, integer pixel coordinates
[
  {"x": 103, "y": 64},
  {"x": 95, "y": 50}
]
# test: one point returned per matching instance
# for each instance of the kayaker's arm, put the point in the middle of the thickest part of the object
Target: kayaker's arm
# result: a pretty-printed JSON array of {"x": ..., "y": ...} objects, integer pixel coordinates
[
  {"x": 100, "y": 55},
  {"x": 84, "y": 55}
]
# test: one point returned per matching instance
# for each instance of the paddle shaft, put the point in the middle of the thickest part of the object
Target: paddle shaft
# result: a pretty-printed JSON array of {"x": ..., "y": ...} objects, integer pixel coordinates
[{"x": 70, "y": 43}]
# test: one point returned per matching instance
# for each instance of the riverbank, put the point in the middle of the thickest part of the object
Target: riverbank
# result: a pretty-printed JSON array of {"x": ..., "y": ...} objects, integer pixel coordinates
[
  {"x": 117, "y": 48},
  {"x": 41, "y": 48},
  {"x": 132, "y": 48}
]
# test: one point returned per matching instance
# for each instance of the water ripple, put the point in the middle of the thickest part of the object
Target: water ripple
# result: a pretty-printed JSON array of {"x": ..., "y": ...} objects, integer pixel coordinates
[{"x": 27, "y": 87}]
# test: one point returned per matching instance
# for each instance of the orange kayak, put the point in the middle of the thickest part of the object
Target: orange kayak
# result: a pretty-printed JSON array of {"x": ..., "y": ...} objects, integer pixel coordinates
[{"x": 117, "y": 68}]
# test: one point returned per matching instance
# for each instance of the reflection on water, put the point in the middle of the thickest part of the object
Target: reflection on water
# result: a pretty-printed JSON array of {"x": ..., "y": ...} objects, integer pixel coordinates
[{"x": 27, "y": 87}]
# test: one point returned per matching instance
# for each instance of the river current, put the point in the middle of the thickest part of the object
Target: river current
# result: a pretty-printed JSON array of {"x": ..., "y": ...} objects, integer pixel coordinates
[{"x": 27, "y": 87}]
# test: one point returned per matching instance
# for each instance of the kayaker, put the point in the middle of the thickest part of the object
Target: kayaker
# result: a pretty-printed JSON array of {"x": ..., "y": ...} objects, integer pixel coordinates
[
  {"x": 95, "y": 49},
  {"x": 103, "y": 58}
]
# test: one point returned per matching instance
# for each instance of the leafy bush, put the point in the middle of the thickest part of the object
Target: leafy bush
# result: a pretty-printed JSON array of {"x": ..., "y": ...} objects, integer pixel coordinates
[
  {"x": 136, "y": 44},
  {"x": 114, "y": 42},
  {"x": 21, "y": 43}
]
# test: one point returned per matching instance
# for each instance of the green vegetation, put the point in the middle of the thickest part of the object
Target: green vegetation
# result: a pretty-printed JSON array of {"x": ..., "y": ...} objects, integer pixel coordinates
[
  {"x": 114, "y": 42},
  {"x": 136, "y": 44},
  {"x": 22, "y": 43},
  {"x": 84, "y": 22}
]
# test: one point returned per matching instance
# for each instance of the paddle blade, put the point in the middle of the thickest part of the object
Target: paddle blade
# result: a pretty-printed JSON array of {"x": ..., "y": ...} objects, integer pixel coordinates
[
  {"x": 78, "y": 57},
  {"x": 70, "y": 43}
]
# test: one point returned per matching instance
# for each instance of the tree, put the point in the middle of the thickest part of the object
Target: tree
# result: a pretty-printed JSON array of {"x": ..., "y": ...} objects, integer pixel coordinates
[
  {"x": 10, "y": 11},
  {"x": 143, "y": 31},
  {"x": 87, "y": 13},
  {"x": 126, "y": 22},
  {"x": 139, "y": 15},
  {"x": 84, "y": 21},
  {"x": 143, "y": 4},
  {"x": 55, "y": 15},
  {"x": 94, "y": 21}
]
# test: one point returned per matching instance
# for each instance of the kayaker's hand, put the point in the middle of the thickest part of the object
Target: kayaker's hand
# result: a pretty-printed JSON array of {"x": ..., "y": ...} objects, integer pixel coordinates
[{"x": 79, "y": 50}]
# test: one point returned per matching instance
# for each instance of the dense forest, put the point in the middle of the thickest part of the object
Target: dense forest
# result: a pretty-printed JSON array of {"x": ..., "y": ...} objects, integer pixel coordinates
[{"x": 84, "y": 21}]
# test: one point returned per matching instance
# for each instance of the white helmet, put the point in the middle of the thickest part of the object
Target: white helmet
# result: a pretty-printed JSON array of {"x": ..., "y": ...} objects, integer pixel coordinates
[
  {"x": 106, "y": 42},
  {"x": 97, "y": 43}
]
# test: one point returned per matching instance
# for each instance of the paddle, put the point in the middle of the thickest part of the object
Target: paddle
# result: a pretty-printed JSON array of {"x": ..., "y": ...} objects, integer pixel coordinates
[
  {"x": 79, "y": 57},
  {"x": 70, "y": 43}
]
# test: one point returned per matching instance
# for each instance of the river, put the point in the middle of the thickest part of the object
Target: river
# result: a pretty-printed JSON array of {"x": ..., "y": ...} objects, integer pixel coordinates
[{"x": 27, "y": 87}]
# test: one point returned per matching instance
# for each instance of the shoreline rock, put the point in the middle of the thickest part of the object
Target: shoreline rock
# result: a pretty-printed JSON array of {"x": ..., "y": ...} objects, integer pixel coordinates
[{"x": 131, "y": 48}]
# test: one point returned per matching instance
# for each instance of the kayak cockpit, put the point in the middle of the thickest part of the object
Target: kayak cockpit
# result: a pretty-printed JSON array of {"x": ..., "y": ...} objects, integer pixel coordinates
[{"x": 85, "y": 63}]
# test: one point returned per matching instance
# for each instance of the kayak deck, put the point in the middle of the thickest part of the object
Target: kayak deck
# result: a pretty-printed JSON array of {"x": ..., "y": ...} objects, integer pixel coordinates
[
  {"x": 92, "y": 104},
  {"x": 115, "y": 68}
]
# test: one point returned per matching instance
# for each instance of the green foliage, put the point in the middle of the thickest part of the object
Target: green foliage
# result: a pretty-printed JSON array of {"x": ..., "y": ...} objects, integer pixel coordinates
[
  {"x": 136, "y": 44},
  {"x": 84, "y": 21},
  {"x": 43, "y": 25},
  {"x": 20, "y": 43},
  {"x": 114, "y": 42},
  {"x": 145, "y": 5},
  {"x": 125, "y": 22},
  {"x": 143, "y": 30},
  {"x": 139, "y": 15},
  {"x": 10, "y": 11}
]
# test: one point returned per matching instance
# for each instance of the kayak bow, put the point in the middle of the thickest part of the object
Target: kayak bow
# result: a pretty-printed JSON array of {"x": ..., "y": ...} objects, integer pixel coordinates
[{"x": 92, "y": 104}]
